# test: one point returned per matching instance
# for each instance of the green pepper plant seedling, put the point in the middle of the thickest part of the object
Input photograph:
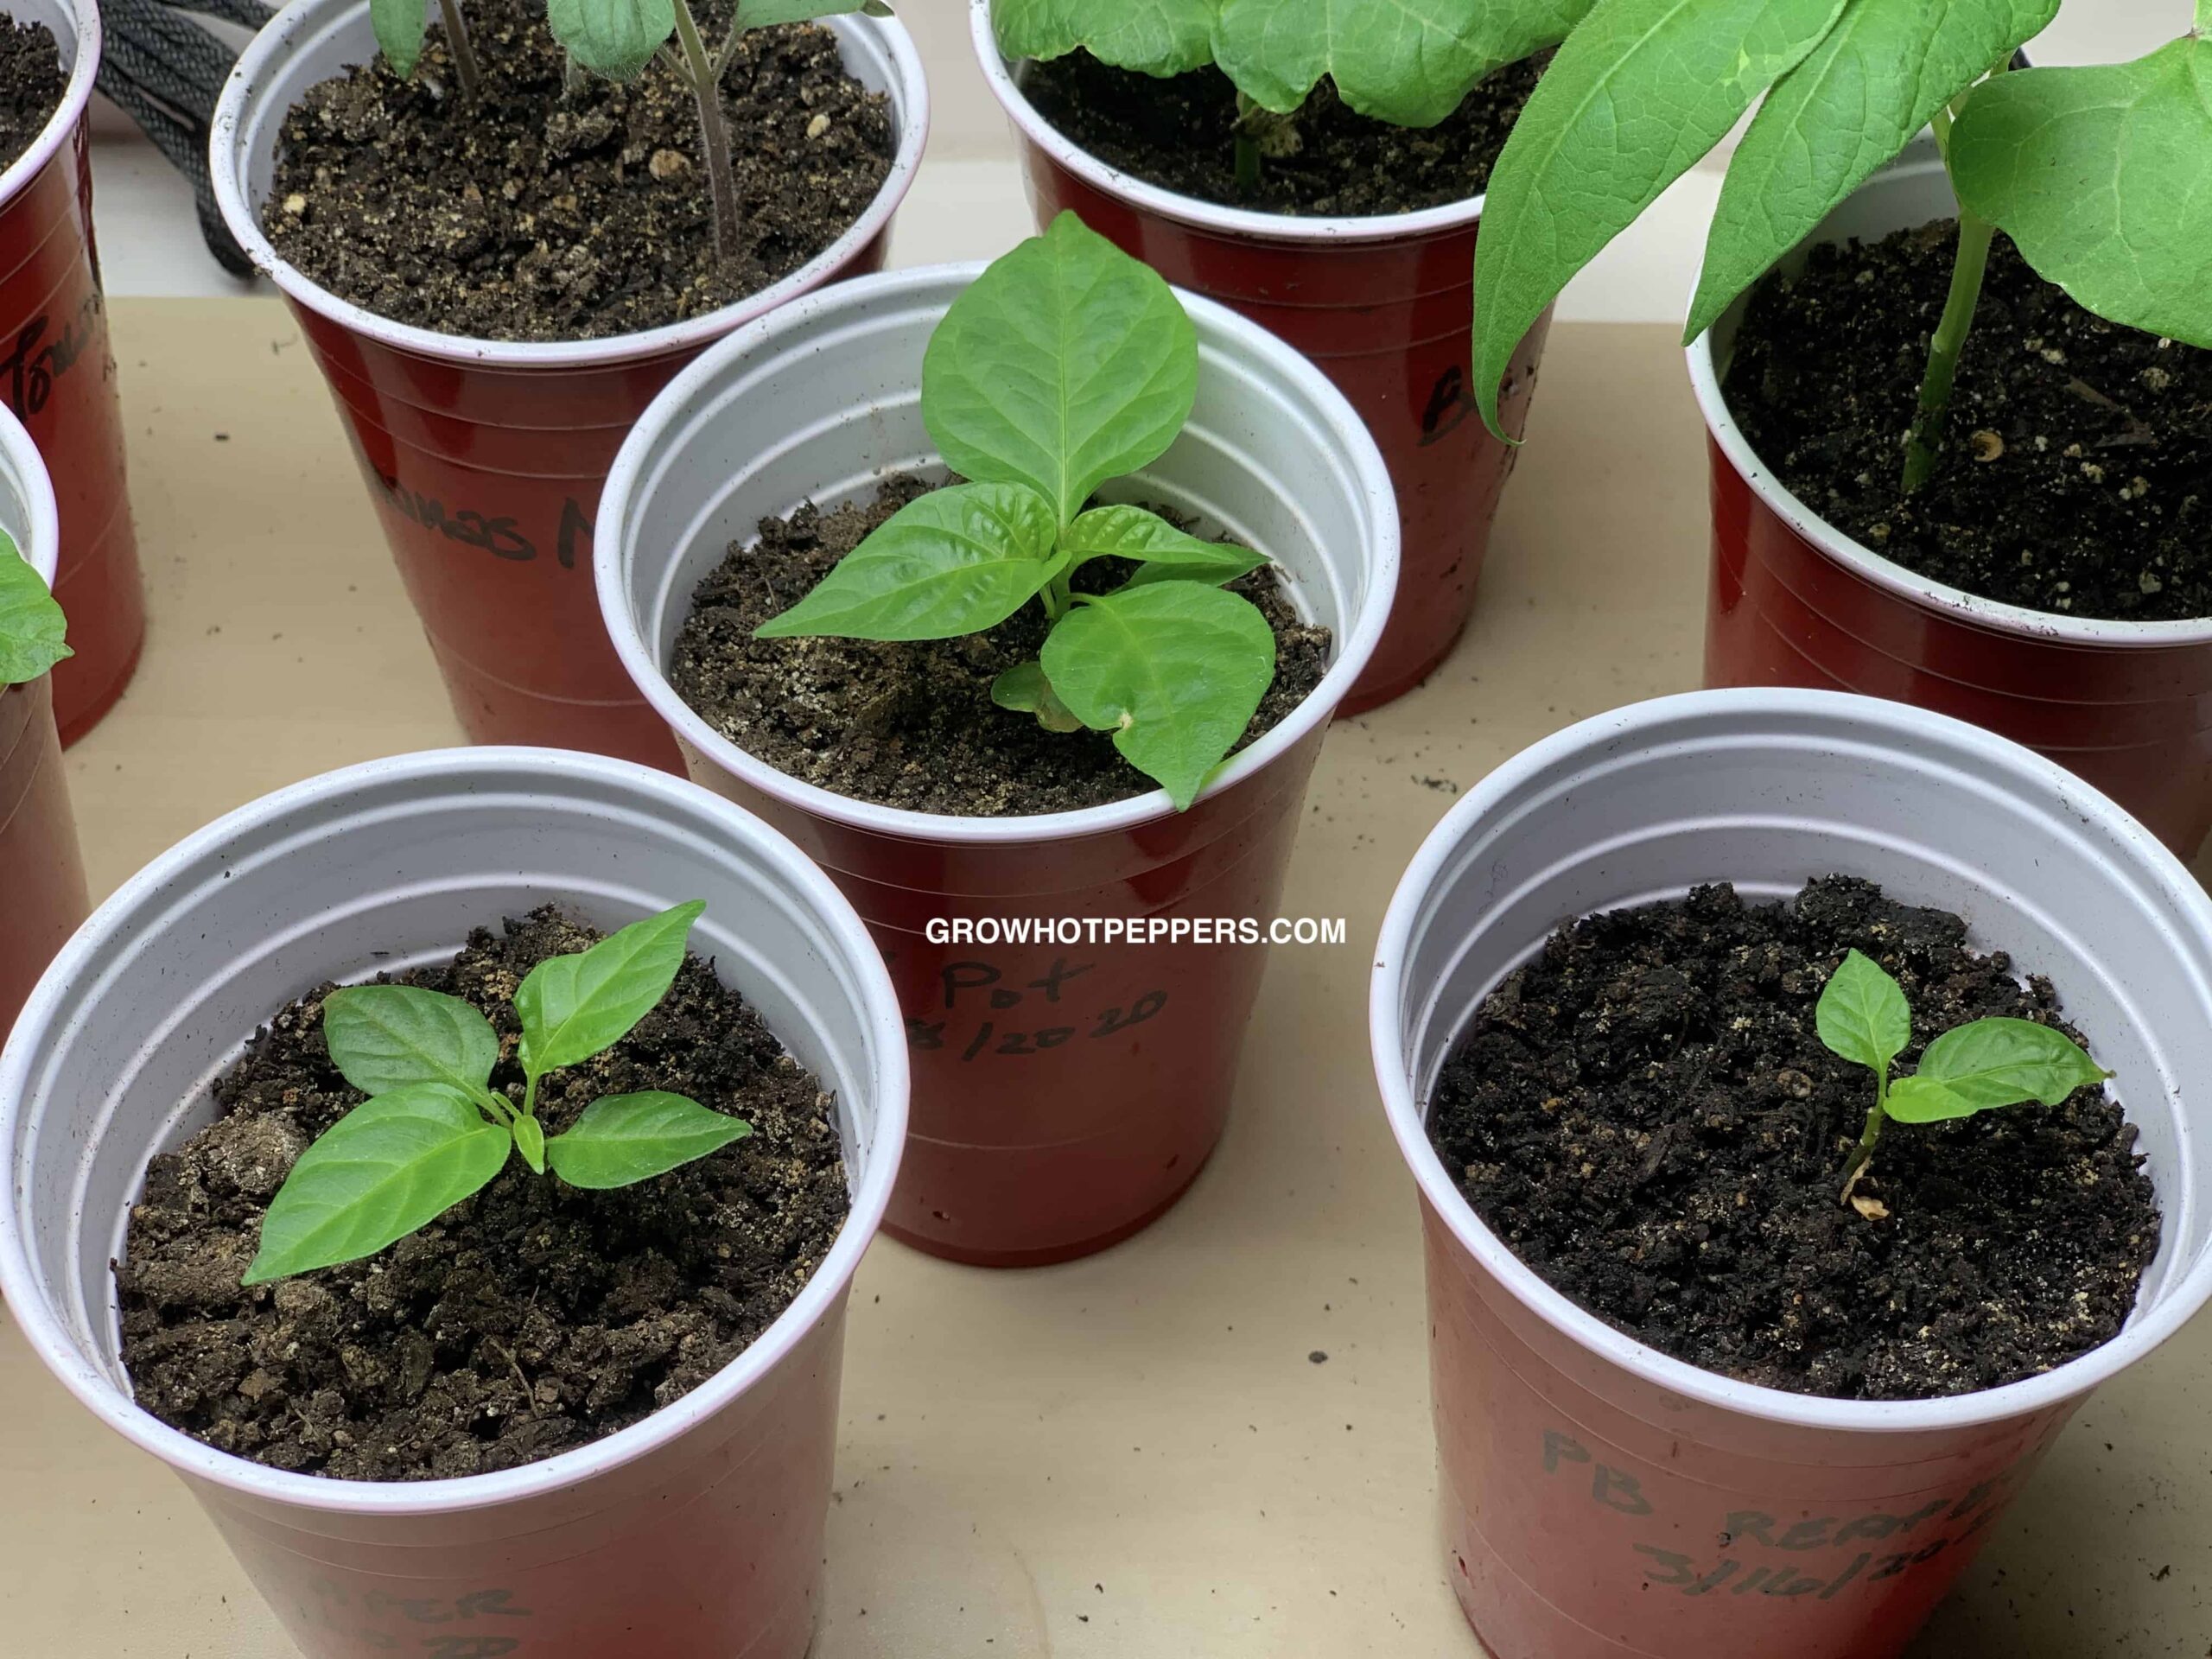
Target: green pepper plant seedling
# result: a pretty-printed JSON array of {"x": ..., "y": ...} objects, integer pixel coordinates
[
  {"x": 1410, "y": 64},
  {"x": 2094, "y": 173},
  {"x": 1066, "y": 365},
  {"x": 1863, "y": 1017},
  {"x": 433, "y": 1131},
  {"x": 618, "y": 38},
  {"x": 32, "y": 626}
]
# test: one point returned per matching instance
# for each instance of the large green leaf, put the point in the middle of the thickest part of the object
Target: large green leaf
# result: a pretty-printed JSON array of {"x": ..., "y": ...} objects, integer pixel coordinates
[
  {"x": 1166, "y": 553},
  {"x": 1175, "y": 670},
  {"x": 1863, "y": 1015},
  {"x": 2103, "y": 177},
  {"x": 1989, "y": 1065},
  {"x": 1849, "y": 108},
  {"x": 573, "y": 1008},
  {"x": 951, "y": 562},
  {"x": 388, "y": 1037},
  {"x": 383, "y": 1170},
  {"x": 31, "y": 625},
  {"x": 400, "y": 26},
  {"x": 614, "y": 38},
  {"x": 625, "y": 1139},
  {"x": 1066, "y": 364},
  {"x": 762, "y": 13},
  {"x": 1635, "y": 97},
  {"x": 1412, "y": 62},
  {"x": 1159, "y": 37}
]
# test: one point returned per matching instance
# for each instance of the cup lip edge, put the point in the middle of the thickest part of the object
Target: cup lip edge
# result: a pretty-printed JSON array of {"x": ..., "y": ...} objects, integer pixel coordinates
[
  {"x": 1624, "y": 729},
  {"x": 19, "y": 454},
  {"x": 276, "y": 38},
  {"x": 1224, "y": 327},
  {"x": 817, "y": 1301},
  {"x": 76, "y": 99}
]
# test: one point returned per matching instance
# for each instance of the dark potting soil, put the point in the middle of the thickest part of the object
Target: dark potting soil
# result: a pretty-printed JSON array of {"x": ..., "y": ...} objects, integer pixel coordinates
[
  {"x": 32, "y": 83},
  {"x": 1646, "y": 1116},
  {"x": 1325, "y": 162},
  {"x": 531, "y": 1319},
  {"x": 913, "y": 725},
  {"x": 2077, "y": 474},
  {"x": 529, "y": 214}
]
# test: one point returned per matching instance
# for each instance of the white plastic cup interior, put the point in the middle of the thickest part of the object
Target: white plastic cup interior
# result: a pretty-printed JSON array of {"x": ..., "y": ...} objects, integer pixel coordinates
[
  {"x": 27, "y": 511},
  {"x": 310, "y": 41},
  {"x": 1768, "y": 789},
  {"x": 821, "y": 401},
  {"x": 380, "y": 868},
  {"x": 76, "y": 26}
]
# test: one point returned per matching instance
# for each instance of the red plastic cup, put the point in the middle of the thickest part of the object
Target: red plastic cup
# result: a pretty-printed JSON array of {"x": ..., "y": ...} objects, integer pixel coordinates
[
  {"x": 42, "y": 895},
  {"x": 485, "y": 459},
  {"x": 1385, "y": 306},
  {"x": 1067, "y": 1089},
  {"x": 1601, "y": 1500},
  {"x": 58, "y": 378},
  {"x": 1796, "y": 602}
]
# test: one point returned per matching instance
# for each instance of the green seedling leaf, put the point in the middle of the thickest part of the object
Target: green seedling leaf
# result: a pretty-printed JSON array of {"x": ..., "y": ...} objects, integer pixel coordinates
[
  {"x": 625, "y": 1139},
  {"x": 1636, "y": 96},
  {"x": 389, "y": 1037},
  {"x": 400, "y": 26},
  {"x": 386, "y": 1168},
  {"x": 1989, "y": 1065},
  {"x": 1862, "y": 1015},
  {"x": 614, "y": 38},
  {"x": 1175, "y": 670},
  {"x": 1880, "y": 76},
  {"x": 1166, "y": 553},
  {"x": 573, "y": 1008},
  {"x": 1065, "y": 365},
  {"x": 530, "y": 1141},
  {"x": 1157, "y": 37},
  {"x": 31, "y": 624},
  {"x": 2099, "y": 174},
  {"x": 1026, "y": 691},
  {"x": 951, "y": 562},
  {"x": 1411, "y": 62},
  {"x": 764, "y": 14}
]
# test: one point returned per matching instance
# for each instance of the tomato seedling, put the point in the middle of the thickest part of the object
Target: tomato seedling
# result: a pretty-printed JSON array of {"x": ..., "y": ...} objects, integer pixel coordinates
[
  {"x": 1065, "y": 365},
  {"x": 32, "y": 626},
  {"x": 433, "y": 1131},
  {"x": 2094, "y": 173},
  {"x": 1864, "y": 1018}
]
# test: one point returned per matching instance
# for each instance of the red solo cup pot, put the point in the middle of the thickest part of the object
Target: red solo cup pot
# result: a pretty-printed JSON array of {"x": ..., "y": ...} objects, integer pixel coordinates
[
  {"x": 1384, "y": 305},
  {"x": 1068, "y": 1088},
  {"x": 41, "y": 877},
  {"x": 696, "y": 1534},
  {"x": 486, "y": 459},
  {"x": 59, "y": 378},
  {"x": 1796, "y": 602},
  {"x": 1600, "y": 1500}
]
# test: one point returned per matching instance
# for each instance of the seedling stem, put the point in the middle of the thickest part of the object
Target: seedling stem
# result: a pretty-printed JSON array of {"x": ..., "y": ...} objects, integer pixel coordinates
[
  {"x": 703, "y": 72},
  {"x": 462, "y": 50}
]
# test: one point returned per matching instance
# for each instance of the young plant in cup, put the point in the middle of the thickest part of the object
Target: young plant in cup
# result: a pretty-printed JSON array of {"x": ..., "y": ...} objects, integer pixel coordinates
[
  {"x": 32, "y": 627},
  {"x": 618, "y": 38},
  {"x": 1066, "y": 366},
  {"x": 1407, "y": 66},
  {"x": 435, "y": 1132},
  {"x": 2091, "y": 171}
]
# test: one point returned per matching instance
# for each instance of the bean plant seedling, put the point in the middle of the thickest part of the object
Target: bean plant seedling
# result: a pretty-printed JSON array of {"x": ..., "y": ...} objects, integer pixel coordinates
[
  {"x": 31, "y": 624},
  {"x": 1065, "y": 365},
  {"x": 2096, "y": 174},
  {"x": 1864, "y": 1018},
  {"x": 433, "y": 1131},
  {"x": 1408, "y": 63}
]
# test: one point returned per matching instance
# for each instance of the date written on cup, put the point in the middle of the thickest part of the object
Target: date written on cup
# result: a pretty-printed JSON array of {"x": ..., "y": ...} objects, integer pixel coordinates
[{"x": 970, "y": 989}]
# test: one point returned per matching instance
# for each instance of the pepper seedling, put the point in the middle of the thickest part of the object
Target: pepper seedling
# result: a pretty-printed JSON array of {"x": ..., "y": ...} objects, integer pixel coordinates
[
  {"x": 618, "y": 38},
  {"x": 433, "y": 1131},
  {"x": 2094, "y": 173},
  {"x": 32, "y": 627},
  {"x": 1863, "y": 1017},
  {"x": 1411, "y": 65},
  {"x": 1065, "y": 365}
]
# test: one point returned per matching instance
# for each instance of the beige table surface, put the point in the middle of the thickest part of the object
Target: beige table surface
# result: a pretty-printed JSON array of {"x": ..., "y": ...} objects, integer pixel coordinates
[{"x": 1132, "y": 1455}]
